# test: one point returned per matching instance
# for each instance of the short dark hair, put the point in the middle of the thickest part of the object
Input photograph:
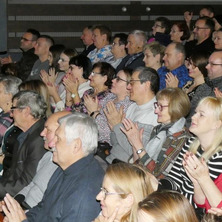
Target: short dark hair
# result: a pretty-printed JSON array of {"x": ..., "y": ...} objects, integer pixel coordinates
[
  {"x": 104, "y": 30},
  {"x": 48, "y": 38},
  {"x": 106, "y": 70},
  {"x": 122, "y": 38},
  {"x": 165, "y": 23},
  {"x": 209, "y": 22},
  {"x": 149, "y": 74},
  {"x": 84, "y": 62},
  {"x": 35, "y": 33},
  {"x": 70, "y": 52},
  {"x": 182, "y": 26}
]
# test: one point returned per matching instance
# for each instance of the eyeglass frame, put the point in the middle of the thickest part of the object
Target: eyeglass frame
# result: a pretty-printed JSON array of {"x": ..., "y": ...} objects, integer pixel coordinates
[
  {"x": 214, "y": 64},
  {"x": 15, "y": 107},
  {"x": 120, "y": 79},
  {"x": 159, "y": 106},
  {"x": 198, "y": 28},
  {"x": 27, "y": 40},
  {"x": 94, "y": 73},
  {"x": 106, "y": 193}
]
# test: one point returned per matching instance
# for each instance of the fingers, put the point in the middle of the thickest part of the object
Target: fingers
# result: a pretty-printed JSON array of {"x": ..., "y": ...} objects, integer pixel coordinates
[{"x": 113, "y": 216}]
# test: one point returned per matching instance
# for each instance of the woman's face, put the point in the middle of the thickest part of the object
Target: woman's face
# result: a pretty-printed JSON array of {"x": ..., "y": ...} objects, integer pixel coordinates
[
  {"x": 64, "y": 62},
  {"x": 96, "y": 79},
  {"x": 193, "y": 71},
  {"x": 111, "y": 201},
  {"x": 218, "y": 40},
  {"x": 75, "y": 71},
  {"x": 150, "y": 60},
  {"x": 142, "y": 216},
  {"x": 157, "y": 27},
  {"x": 119, "y": 84},
  {"x": 203, "y": 121},
  {"x": 50, "y": 58},
  {"x": 6, "y": 99},
  {"x": 162, "y": 111},
  {"x": 175, "y": 34}
]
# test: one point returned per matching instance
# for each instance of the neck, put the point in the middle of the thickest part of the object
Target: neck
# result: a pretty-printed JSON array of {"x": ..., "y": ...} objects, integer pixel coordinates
[
  {"x": 121, "y": 97},
  {"x": 71, "y": 161},
  {"x": 156, "y": 66},
  {"x": 28, "y": 124},
  {"x": 82, "y": 80},
  {"x": 207, "y": 139},
  {"x": 199, "y": 80},
  {"x": 100, "y": 89},
  {"x": 201, "y": 40},
  {"x": 43, "y": 58},
  {"x": 121, "y": 55},
  {"x": 145, "y": 99}
]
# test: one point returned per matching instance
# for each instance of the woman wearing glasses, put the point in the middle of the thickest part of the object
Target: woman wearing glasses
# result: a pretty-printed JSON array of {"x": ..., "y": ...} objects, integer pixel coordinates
[
  {"x": 124, "y": 186},
  {"x": 159, "y": 150}
]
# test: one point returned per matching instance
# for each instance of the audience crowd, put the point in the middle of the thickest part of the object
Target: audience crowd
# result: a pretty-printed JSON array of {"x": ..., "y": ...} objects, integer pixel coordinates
[{"x": 128, "y": 130}]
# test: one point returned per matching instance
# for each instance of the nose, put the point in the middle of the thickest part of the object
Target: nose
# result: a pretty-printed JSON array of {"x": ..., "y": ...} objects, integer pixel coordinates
[
  {"x": 100, "y": 196},
  {"x": 164, "y": 57},
  {"x": 207, "y": 66},
  {"x": 127, "y": 45},
  {"x": 113, "y": 80},
  {"x": 128, "y": 86},
  {"x": 43, "y": 133}
]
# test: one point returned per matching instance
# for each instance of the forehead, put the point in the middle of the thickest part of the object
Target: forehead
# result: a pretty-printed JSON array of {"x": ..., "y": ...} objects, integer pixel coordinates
[
  {"x": 41, "y": 40},
  {"x": 175, "y": 27},
  {"x": 131, "y": 38},
  {"x": 135, "y": 75},
  {"x": 96, "y": 32},
  {"x": 64, "y": 56},
  {"x": 27, "y": 35},
  {"x": 216, "y": 56},
  {"x": 200, "y": 23},
  {"x": 116, "y": 40},
  {"x": 87, "y": 31},
  {"x": 147, "y": 51},
  {"x": 204, "y": 12},
  {"x": 170, "y": 49},
  {"x": 121, "y": 74}
]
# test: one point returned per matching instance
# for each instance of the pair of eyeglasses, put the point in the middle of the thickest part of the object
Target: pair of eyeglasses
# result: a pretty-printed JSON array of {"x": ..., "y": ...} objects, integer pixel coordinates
[
  {"x": 214, "y": 64},
  {"x": 120, "y": 79},
  {"x": 15, "y": 107},
  {"x": 26, "y": 40},
  {"x": 155, "y": 26},
  {"x": 106, "y": 193},
  {"x": 198, "y": 28},
  {"x": 95, "y": 73},
  {"x": 159, "y": 106}
]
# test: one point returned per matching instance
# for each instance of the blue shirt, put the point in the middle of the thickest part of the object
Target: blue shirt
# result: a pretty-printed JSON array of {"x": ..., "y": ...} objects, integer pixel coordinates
[{"x": 181, "y": 73}]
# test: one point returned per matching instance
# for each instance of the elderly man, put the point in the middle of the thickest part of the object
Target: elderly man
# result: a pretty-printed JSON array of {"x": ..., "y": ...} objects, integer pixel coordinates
[
  {"x": 101, "y": 39},
  {"x": 203, "y": 29},
  {"x": 87, "y": 39},
  {"x": 28, "y": 111},
  {"x": 32, "y": 194},
  {"x": 143, "y": 86},
  {"x": 119, "y": 49},
  {"x": 174, "y": 69},
  {"x": 136, "y": 41},
  {"x": 212, "y": 85},
  {"x": 42, "y": 51},
  {"x": 71, "y": 192},
  {"x": 27, "y": 44}
]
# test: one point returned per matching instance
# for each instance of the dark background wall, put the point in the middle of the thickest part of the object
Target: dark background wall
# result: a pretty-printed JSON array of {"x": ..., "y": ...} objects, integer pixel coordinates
[{"x": 64, "y": 20}]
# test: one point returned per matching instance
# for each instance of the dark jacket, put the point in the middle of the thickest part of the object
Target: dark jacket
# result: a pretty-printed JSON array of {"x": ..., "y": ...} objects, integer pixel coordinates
[{"x": 24, "y": 161}]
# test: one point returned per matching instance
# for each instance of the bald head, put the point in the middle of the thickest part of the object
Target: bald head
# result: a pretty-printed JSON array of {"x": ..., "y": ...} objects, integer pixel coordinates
[{"x": 51, "y": 126}]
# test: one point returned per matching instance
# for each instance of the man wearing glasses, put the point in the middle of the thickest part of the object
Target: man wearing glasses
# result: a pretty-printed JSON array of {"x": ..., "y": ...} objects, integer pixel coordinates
[
  {"x": 212, "y": 85},
  {"x": 202, "y": 30},
  {"x": 25, "y": 64}
]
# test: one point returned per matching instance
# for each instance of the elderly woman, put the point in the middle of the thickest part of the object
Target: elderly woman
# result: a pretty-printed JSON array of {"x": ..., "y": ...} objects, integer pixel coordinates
[
  {"x": 8, "y": 88},
  {"x": 77, "y": 79},
  {"x": 159, "y": 151},
  {"x": 124, "y": 186},
  {"x": 179, "y": 32},
  {"x": 166, "y": 206},
  {"x": 207, "y": 127},
  {"x": 100, "y": 80}
]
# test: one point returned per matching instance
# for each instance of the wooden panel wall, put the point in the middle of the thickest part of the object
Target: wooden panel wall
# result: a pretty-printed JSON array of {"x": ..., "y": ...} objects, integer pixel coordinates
[{"x": 65, "y": 21}]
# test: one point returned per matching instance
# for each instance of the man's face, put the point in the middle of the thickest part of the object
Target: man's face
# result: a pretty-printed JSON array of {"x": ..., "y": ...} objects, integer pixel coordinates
[
  {"x": 48, "y": 132},
  {"x": 26, "y": 42},
  {"x": 171, "y": 58},
  {"x": 87, "y": 37},
  {"x": 214, "y": 66},
  {"x": 136, "y": 88},
  {"x": 41, "y": 47},
  {"x": 132, "y": 45},
  {"x": 200, "y": 31}
]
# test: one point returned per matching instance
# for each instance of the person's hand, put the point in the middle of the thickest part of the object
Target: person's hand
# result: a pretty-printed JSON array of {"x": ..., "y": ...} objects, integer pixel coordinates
[
  {"x": 171, "y": 80},
  {"x": 216, "y": 211},
  {"x": 217, "y": 93},
  {"x": 44, "y": 76},
  {"x": 91, "y": 104},
  {"x": 6, "y": 60},
  {"x": 133, "y": 133},
  {"x": 188, "y": 17},
  {"x": 12, "y": 210},
  {"x": 2, "y": 203},
  {"x": 196, "y": 169},
  {"x": 52, "y": 76},
  {"x": 71, "y": 84},
  {"x": 112, "y": 218},
  {"x": 113, "y": 115}
]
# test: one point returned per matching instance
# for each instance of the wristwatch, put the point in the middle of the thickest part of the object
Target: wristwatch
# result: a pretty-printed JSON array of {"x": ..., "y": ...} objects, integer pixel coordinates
[
  {"x": 140, "y": 151},
  {"x": 73, "y": 95}
]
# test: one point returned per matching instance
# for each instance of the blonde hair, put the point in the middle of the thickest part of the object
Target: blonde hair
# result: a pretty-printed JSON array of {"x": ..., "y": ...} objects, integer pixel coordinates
[
  {"x": 168, "y": 206},
  {"x": 179, "y": 103},
  {"x": 215, "y": 105},
  {"x": 39, "y": 87},
  {"x": 130, "y": 179}
]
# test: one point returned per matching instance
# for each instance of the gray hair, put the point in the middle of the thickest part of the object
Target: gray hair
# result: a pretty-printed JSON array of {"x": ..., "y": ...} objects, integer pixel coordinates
[
  {"x": 79, "y": 125},
  {"x": 139, "y": 36},
  {"x": 33, "y": 100},
  {"x": 148, "y": 74},
  {"x": 11, "y": 84},
  {"x": 179, "y": 48}
]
